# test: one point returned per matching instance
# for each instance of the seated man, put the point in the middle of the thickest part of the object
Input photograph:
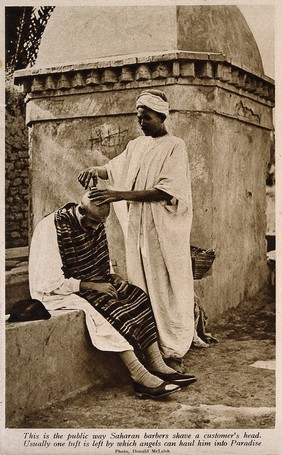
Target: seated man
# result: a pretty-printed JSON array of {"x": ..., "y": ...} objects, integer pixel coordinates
[{"x": 69, "y": 268}]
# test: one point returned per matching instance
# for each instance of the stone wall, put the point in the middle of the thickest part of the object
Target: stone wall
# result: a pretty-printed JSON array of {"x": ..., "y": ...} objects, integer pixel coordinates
[{"x": 17, "y": 168}]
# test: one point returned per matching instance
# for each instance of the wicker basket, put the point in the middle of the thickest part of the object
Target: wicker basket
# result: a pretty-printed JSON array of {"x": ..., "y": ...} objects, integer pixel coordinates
[{"x": 201, "y": 261}]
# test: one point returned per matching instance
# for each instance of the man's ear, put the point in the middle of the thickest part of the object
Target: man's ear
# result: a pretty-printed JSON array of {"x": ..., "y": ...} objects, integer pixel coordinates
[{"x": 81, "y": 209}]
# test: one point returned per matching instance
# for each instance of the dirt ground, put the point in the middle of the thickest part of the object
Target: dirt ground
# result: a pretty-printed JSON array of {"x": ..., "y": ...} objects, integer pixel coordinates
[{"x": 229, "y": 392}]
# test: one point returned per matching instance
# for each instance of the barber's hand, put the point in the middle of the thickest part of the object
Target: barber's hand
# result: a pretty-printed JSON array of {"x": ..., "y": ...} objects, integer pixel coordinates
[
  {"x": 104, "y": 196},
  {"x": 119, "y": 283},
  {"x": 104, "y": 287},
  {"x": 85, "y": 177}
]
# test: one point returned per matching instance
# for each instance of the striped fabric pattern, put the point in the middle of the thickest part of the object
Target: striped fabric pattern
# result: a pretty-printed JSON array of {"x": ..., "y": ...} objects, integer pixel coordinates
[{"x": 85, "y": 256}]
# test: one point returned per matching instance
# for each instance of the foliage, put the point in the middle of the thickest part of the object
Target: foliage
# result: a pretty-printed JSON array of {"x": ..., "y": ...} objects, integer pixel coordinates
[{"x": 24, "y": 28}]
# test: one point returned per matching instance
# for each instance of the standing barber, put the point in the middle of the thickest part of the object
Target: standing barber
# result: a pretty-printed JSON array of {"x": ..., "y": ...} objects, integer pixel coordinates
[{"x": 151, "y": 177}]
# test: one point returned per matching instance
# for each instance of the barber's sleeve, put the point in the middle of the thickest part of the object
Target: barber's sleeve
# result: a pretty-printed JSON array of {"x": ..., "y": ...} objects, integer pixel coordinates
[{"x": 174, "y": 179}]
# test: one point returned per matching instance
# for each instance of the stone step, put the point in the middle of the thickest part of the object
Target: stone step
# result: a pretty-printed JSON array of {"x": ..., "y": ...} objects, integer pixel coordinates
[
  {"x": 16, "y": 253},
  {"x": 16, "y": 286},
  {"x": 16, "y": 276}
]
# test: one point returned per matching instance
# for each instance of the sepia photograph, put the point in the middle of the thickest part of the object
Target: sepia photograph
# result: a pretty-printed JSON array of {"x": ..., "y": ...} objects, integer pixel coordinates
[{"x": 139, "y": 293}]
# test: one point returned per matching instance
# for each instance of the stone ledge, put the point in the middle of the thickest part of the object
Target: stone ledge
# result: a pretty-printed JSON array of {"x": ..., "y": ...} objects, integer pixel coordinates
[
  {"x": 16, "y": 253},
  {"x": 122, "y": 71},
  {"x": 117, "y": 61},
  {"x": 52, "y": 360}
]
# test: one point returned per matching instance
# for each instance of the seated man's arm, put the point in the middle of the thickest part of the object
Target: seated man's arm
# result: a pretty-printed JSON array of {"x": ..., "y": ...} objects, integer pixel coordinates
[
  {"x": 120, "y": 284},
  {"x": 69, "y": 286},
  {"x": 104, "y": 287},
  {"x": 46, "y": 276}
]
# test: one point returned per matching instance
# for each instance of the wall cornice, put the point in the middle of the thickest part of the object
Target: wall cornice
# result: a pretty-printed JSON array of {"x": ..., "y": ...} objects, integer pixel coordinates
[{"x": 163, "y": 68}]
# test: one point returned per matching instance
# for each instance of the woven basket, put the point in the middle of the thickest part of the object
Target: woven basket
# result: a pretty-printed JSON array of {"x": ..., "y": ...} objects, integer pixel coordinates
[{"x": 201, "y": 261}]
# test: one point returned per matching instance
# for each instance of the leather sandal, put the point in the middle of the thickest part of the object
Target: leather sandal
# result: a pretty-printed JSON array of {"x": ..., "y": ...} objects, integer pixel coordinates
[
  {"x": 176, "y": 378},
  {"x": 155, "y": 392}
]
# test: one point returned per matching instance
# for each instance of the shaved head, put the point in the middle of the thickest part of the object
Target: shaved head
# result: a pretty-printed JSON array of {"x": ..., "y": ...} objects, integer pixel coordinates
[
  {"x": 90, "y": 215},
  {"x": 97, "y": 211}
]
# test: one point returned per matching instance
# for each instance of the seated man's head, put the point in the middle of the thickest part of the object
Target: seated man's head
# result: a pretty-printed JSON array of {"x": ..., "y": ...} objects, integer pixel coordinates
[{"x": 90, "y": 215}]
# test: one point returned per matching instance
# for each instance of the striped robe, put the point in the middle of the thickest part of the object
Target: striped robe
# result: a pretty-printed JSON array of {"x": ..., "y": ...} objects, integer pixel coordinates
[{"x": 85, "y": 256}]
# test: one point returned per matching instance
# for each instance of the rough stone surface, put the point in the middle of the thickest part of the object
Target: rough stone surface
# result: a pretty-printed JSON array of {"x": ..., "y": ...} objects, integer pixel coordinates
[
  {"x": 54, "y": 360},
  {"x": 16, "y": 167},
  {"x": 218, "y": 29}
]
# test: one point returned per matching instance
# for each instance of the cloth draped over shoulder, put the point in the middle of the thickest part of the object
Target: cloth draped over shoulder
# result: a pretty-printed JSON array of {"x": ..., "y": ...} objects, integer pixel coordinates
[
  {"x": 113, "y": 324},
  {"x": 157, "y": 234}
]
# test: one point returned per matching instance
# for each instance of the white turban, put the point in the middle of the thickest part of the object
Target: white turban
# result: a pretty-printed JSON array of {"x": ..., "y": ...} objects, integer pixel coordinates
[{"x": 154, "y": 102}]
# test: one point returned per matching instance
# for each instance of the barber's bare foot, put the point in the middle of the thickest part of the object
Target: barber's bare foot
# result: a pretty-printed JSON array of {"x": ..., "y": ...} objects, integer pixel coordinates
[{"x": 176, "y": 364}]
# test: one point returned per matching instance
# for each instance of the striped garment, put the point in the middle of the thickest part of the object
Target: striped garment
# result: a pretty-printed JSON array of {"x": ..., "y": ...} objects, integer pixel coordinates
[{"x": 85, "y": 256}]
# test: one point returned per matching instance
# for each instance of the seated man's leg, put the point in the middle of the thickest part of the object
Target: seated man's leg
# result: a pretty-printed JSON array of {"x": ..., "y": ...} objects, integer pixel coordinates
[
  {"x": 145, "y": 383},
  {"x": 130, "y": 313},
  {"x": 105, "y": 337},
  {"x": 102, "y": 334}
]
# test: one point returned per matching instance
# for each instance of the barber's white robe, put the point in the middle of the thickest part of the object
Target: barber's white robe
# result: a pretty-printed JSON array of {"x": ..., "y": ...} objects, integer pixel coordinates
[
  {"x": 157, "y": 234},
  {"x": 48, "y": 284}
]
